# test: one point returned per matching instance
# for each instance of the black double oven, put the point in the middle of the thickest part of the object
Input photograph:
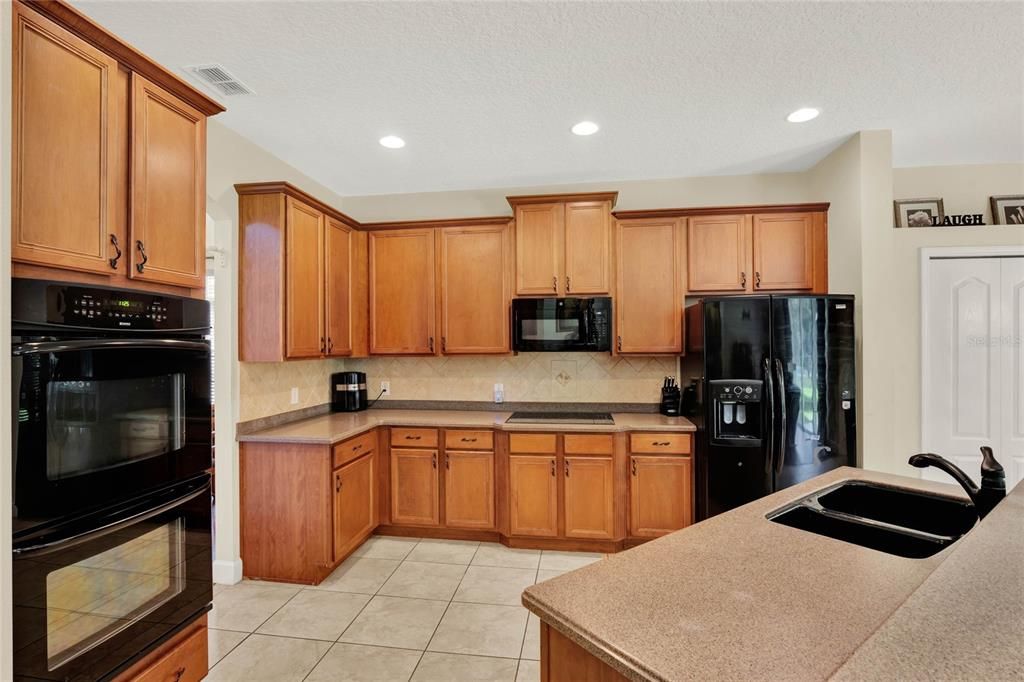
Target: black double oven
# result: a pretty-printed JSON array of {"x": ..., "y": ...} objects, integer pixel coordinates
[{"x": 111, "y": 484}]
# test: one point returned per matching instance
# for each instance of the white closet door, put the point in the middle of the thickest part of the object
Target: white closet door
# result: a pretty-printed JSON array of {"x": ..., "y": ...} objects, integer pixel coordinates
[
  {"x": 1011, "y": 344},
  {"x": 961, "y": 401}
]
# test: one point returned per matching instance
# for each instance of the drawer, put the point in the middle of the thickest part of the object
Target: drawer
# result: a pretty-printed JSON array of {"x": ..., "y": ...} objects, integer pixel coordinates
[
  {"x": 660, "y": 443},
  {"x": 468, "y": 440},
  {"x": 347, "y": 450},
  {"x": 185, "y": 662},
  {"x": 587, "y": 443},
  {"x": 543, "y": 443},
  {"x": 414, "y": 438}
]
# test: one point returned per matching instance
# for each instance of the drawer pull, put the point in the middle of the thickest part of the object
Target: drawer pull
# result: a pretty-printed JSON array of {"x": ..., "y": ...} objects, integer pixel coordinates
[
  {"x": 413, "y": 437},
  {"x": 661, "y": 443},
  {"x": 357, "y": 447},
  {"x": 469, "y": 440},
  {"x": 178, "y": 674}
]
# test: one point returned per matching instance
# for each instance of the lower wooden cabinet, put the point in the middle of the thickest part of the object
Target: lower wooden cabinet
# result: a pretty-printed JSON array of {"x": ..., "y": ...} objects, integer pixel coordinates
[
  {"x": 355, "y": 504},
  {"x": 660, "y": 493},
  {"x": 589, "y": 498},
  {"x": 469, "y": 489},
  {"x": 183, "y": 658},
  {"x": 415, "y": 487},
  {"x": 533, "y": 495}
]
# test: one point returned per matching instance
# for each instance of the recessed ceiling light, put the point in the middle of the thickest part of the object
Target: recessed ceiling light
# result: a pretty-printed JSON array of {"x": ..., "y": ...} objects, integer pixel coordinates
[
  {"x": 803, "y": 115},
  {"x": 392, "y": 142},
  {"x": 585, "y": 128}
]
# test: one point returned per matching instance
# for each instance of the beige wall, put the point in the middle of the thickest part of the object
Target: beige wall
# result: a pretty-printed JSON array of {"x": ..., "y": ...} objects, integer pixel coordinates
[{"x": 532, "y": 377}]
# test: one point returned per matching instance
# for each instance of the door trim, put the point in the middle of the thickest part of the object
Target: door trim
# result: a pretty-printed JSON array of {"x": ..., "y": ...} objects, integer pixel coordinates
[{"x": 929, "y": 254}]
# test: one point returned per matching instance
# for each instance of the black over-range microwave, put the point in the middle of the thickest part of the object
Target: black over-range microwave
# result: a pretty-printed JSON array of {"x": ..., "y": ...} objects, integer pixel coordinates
[{"x": 562, "y": 324}]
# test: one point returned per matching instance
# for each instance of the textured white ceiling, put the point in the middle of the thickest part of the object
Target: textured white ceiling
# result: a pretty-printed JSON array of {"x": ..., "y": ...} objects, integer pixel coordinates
[{"x": 484, "y": 93}]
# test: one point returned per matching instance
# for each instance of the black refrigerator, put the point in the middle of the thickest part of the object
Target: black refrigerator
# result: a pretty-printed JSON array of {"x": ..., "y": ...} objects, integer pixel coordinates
[{"x": 778, "y": 404}]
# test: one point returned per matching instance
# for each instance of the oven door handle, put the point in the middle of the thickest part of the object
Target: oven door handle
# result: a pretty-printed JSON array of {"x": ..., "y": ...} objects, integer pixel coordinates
[
  {"x": 69, "y": 541},
  {"x": 35, "y": 347}
]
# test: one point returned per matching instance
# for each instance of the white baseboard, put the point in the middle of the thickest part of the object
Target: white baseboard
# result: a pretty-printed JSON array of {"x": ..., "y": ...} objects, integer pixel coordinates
[{"x": 227, "y": 572}]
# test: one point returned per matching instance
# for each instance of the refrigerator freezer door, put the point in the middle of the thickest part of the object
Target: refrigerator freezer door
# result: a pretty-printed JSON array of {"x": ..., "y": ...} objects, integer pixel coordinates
[{"x": 813, "y": 351}]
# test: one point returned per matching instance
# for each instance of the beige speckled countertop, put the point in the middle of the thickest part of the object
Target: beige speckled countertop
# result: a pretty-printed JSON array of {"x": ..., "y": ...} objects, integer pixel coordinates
[
  {"x": 335, "y": 427},
  {"x": 740, "y": 597}
]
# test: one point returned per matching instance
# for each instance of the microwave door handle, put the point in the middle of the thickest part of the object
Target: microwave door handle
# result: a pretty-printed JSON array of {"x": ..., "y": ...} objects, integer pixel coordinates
[
  {"x": 106, "y": 344},
  {"x": 63, "y": 543}
]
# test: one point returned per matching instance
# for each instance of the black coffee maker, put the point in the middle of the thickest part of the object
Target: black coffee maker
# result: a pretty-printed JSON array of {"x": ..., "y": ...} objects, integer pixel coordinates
[{"x": 348, "y": 392}]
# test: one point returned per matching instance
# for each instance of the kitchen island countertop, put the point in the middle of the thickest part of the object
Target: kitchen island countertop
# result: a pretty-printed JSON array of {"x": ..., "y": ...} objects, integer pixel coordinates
[{"x": 740, "y": 597}]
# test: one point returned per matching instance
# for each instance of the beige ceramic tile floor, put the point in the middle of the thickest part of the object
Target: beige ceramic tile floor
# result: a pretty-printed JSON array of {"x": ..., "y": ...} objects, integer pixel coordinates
[{"x": 400, "y": 609}]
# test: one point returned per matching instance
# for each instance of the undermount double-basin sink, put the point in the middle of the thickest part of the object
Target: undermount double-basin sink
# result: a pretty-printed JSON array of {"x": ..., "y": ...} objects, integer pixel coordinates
[{"x": 898, "y": 521}]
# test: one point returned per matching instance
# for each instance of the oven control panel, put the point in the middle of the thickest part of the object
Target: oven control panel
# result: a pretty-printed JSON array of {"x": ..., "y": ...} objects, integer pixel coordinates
[{"x": 116, "y": 309}]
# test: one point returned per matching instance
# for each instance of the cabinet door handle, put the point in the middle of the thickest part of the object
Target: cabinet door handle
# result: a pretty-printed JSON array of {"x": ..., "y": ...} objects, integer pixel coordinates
[
  {"x": 330, "y": 344},
  {"x": 567, "y": 468},
  {"x": 552, "y": 467},
  {"x": 323, "y": 345},
  {"x": 337, "y": 484},
  {"x": 757, "y": 280},
  {"x": 145, "y": 259},
  {"x": 117, "y": 248},
  {"x": 743, "y": 280},
  {"x": 554, "y": 283},
  {"x": 447, "y": 461},
  {"x": 634, "y": 467},
  {"x": 568, "y": 284},
  {"x": 431, "y": 341},
  {"x": 444, "y": 344},
  {"x": 618, "y": 343},
  {"x": 433, "y": 460}
]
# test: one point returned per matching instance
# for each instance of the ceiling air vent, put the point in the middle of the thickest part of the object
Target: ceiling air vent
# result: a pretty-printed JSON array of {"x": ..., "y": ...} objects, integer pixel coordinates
[{"x": 220, "y": 79}]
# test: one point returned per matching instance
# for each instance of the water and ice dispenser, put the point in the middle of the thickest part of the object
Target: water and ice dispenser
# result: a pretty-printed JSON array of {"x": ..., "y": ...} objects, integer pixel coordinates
[{"x": 737, "y": 411}]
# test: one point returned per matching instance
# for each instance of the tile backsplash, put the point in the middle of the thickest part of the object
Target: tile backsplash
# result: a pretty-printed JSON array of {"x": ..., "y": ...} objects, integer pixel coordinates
[
  {"x": 265, "y": 388},
  {"x": 527, "y": 377}
]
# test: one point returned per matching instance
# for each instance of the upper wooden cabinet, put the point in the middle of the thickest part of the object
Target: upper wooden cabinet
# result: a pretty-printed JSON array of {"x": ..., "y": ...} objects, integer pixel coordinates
[
  {"x": 81, "y": 101},
  {"x": 563, "y": 244},
  {"x": 402, "y": 293},
  {"x": 473, "y": 263},
  {"x": 718, "y": 252},
  {"x": 302, "y": 277},
  {"x": 649, "y": 285},
  {"x": 167, "y": 188},
  {"x": 783, "y": 249}
]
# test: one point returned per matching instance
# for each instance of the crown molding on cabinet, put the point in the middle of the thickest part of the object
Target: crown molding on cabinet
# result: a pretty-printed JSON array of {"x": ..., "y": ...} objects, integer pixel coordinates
[
  {"x": 288, "y": 189},
  {"x": 70, "y": 18},
  {"x": 562, "y": 198},
  {"x": 720, "y": 210},
  {"x": 445, "y": 222}
]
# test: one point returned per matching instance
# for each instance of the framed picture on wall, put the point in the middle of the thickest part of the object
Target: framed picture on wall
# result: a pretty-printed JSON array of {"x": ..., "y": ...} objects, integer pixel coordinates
[
  {"x": 1008, "y": 210},
  {"x": 918, "y": 212}
]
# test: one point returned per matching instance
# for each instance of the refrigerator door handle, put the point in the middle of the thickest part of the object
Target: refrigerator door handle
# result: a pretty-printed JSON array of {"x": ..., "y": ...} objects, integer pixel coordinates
[
  {"x": 783, "y": 426},
  {"x": 770, "y": 392}
]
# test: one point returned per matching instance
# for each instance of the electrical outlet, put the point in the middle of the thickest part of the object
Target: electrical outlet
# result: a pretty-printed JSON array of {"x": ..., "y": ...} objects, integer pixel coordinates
[
  {"x": 385, "y": 388},
  {"x": 295, "y": 395},
  {"x": 499, "y": 393}
]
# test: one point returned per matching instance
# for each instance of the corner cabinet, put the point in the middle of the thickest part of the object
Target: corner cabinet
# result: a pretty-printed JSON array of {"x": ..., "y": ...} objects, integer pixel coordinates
[
  {"x": 649, "y": 279},
  {"x": 108, "y": 159},
  {"x": 302, "y": 277},
  {"x": 563, "y": 244}
]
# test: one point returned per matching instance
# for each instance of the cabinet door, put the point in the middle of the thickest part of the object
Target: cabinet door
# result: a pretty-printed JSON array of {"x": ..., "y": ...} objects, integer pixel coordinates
[
  {"x": 474, "y": 263},
  {"x": 65, "y": 114},
  {"x": 588, "y": 232},
  {"x": 338, "y": 287},
  {"x": 718, "y": 253},
  {"x": 355, "y": 509},
  {"x": 783, "y": 251},
  {"x": 533, "y": 495},
  {"x": 414, "y": 487},
  {"x": 304, "y": 305},
  {"x": 469, "y": 489},
  {"x": 540, "y": 231},
  {"x": 589, "y": 497},
  {"x": 660, "y": 495},
  {"x": 402, "y": 292},
  {"x": 168, "y": 188},
  {"x": 649, "y": 283}
]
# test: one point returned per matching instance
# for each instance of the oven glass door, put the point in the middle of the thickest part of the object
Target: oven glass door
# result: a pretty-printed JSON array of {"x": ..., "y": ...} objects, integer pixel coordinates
[
  {"x": 93, "y": 594},
  {"x": 101, "y": 419}
]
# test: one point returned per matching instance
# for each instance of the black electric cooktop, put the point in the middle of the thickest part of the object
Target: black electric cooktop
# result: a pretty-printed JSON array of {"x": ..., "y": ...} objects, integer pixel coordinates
[{"x": 560, "y": 418}]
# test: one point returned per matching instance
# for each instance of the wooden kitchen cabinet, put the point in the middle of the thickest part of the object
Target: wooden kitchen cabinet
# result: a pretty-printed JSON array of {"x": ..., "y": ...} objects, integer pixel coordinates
[
  {"x": 718, "y": 253},
  {"x": 167, "y": 228},
  {"x": 563, "y": 244},
  {"x": 182, "y": 658},
  {"x": 783, "y": 251},
  {"x": 415, "y": 487},
  {"x": 660, "y": 494},
  {"x": 649, "y": 285},
  {"x": 469, "y": 489},
  {"x": 355, "y": 504},
  {"x": 589, "y": 497},
  {"x": 533, "y": 495},
  {"x": 473, "y": 265},
  {"x": 304, "y": 280},
  {"x": 302, "y": 277},
  {"x": 402, "y": 293}
]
